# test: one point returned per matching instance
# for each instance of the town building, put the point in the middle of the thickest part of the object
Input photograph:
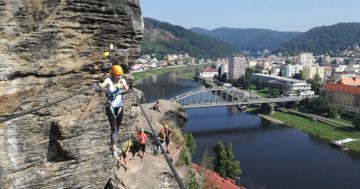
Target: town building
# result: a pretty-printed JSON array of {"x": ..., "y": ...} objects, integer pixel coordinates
[
  {"x": 305, "y": 59},
  {"x": 340, "y": 68},
  {"x": 310, "y": 72},
  {"x": 328, "y": 71},
  {"x": 237, "y": 67},
  {"x": 208, "y": 72},
  {"x": 353, "y": 68},
  {"x": 220, "y": 62},
  {"x": 351, "y": 81},
  {"x": 224, "y": 70},
  {"x": 340, "y": 75},
  {"x": 266, "y": 64},
  {"x": 290, "y": 70},
  {"x": 171, "y": 57},
  {"x": 288, "y": 86},
  {"x": 344, "y": 97},
  {"x": 252, "y": 63},
  {"x": 275, "y": 70}
]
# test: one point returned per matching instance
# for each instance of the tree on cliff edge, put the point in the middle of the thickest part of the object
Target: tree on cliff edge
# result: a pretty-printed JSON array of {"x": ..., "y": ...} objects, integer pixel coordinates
[{"x": 224, "y": 162}]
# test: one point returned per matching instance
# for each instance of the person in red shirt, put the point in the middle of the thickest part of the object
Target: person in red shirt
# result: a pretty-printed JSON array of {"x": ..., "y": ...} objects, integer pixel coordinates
[{"x": 142, "y": 138}]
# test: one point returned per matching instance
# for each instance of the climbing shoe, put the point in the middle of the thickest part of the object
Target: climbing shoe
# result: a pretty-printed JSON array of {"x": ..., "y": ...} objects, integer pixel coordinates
[
  {"x": 115, "y": 155},
  {"x": 117, "y": 150}
]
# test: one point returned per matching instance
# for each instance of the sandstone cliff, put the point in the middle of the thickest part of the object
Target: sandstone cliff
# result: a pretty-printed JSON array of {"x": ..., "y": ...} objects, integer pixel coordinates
[
  {"x": 44, "y": 47},
  {"x": 55, "y": 149},
  {"x": 43, "y": 39}
]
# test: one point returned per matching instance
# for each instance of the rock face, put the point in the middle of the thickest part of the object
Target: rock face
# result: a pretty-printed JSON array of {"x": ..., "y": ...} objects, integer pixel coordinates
[
  {"x": 53, "y": 149},
  {"x": 52, "y": 37},
  {"x": 44, "y": 44}
]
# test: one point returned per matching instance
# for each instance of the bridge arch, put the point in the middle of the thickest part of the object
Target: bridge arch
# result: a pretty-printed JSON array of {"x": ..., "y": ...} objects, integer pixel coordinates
[{"x": 212, "y": 97}]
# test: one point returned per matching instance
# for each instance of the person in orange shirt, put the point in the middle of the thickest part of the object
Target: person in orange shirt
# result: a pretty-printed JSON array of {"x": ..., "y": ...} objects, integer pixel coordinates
[{"x": 142, "y": 138}]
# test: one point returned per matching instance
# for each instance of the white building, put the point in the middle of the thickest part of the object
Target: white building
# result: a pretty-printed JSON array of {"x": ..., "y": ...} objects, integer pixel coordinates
[
  {"x": 290, "y": 70},
  {"x": 220, "y": 62},
  {"x": 208, "y": 72},
  {"x": 237, "y": 67},
  {"x": 340, "y": 68},
  {"x": 171, "y": 57},
  {"x": 353, "y": 68},
  {"x": 275, "y": 70},
  {"x": 252, "y": 63},
  {"x": 306, "y": 59},
  {"x": 289, "y": 87}
]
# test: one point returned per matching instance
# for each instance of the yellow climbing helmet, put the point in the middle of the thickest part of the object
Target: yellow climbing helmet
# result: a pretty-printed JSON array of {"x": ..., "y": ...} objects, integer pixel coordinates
[
  {"x": 117, "y": 70},
  {"x": 166, "y": 125}
]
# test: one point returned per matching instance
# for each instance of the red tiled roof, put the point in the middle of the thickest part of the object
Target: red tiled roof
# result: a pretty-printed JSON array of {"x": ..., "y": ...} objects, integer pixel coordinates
[
  {"x": 350, "y": 81},
  {"x": 341, "y": 88},
  {"x": 209, "y": 69},
  {"x": 218, "y": 181}
]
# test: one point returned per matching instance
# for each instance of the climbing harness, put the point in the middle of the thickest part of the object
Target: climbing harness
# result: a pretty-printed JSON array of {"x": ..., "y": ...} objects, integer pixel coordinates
[{"x": 111, "y": 97}]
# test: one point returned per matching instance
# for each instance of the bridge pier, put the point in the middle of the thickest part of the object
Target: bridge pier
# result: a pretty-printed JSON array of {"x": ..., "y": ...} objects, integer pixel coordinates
[{"x": 267, "y": 108}]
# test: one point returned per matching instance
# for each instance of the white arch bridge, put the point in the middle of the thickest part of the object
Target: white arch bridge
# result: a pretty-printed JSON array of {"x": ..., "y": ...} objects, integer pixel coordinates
[{"x": 212, "y": 97}]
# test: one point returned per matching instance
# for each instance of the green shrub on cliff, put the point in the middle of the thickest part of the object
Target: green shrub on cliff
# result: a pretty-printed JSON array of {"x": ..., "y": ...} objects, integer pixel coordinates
[{"x": 224, "y": 162}]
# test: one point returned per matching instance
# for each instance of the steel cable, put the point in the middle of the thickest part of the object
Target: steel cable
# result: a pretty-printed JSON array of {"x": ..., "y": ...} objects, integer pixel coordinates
[
  {"x": 177, "y": 177},
  {"x": 42, "y": 107}
]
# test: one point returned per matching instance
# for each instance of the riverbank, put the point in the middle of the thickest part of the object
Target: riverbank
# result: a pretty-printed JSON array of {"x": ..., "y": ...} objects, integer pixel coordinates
[
  {"x": 190, "y": 75},
  {"x": 321, "y": 130},
  {"x": 144, "y": 74}
]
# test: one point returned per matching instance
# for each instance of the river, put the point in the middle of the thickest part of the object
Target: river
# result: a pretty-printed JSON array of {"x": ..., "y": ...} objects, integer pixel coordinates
[{"x": 271, "y": 155}]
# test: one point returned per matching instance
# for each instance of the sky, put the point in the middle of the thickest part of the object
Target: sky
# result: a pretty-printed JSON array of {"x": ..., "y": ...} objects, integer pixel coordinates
[{"x": 280, "y": 15}]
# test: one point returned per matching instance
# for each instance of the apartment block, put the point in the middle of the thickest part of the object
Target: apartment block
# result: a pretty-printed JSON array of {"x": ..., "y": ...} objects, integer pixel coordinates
[
  {"x": 290, "y": 70},
  {"x": 237, "y": 67},
  {"x": 306, "y": 59},
  {"x": 310, "y": 72}
]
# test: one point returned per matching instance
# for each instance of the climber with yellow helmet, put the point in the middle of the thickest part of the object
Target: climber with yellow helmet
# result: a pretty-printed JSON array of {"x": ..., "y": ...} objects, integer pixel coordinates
[{"x": 114, "y": 87}]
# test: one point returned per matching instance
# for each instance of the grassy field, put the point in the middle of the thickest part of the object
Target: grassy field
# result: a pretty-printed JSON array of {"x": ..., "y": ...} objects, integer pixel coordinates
[
  {"x": 189, "y": 75},
  {"x": 341, "y": 119},
  {"x": 141, "y": 75},
  {"x": 321, "y": 130},
  {"x": 253, "y": 109},
  {"x": 262, "y": 92}
]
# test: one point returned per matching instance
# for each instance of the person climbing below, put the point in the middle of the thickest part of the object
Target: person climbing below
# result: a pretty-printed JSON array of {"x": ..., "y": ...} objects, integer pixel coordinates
[
  {"x": 115, "y": 87},
  {"x": 142, "y": 138},
  {"x": 125, "y": 149},
  {"x": 162, "y": 137},
  {"x": 156, "y": 107},
  {"x": 156, "y": 146},
  {"x": 167, "y": 133}
]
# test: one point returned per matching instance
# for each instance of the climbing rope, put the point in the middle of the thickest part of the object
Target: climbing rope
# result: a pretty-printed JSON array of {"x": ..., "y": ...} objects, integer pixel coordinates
[{"x": 177, "y": 177}]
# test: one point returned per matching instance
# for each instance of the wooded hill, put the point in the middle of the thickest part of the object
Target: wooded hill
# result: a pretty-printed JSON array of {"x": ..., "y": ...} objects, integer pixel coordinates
[{"x": 163, "y": 38}]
